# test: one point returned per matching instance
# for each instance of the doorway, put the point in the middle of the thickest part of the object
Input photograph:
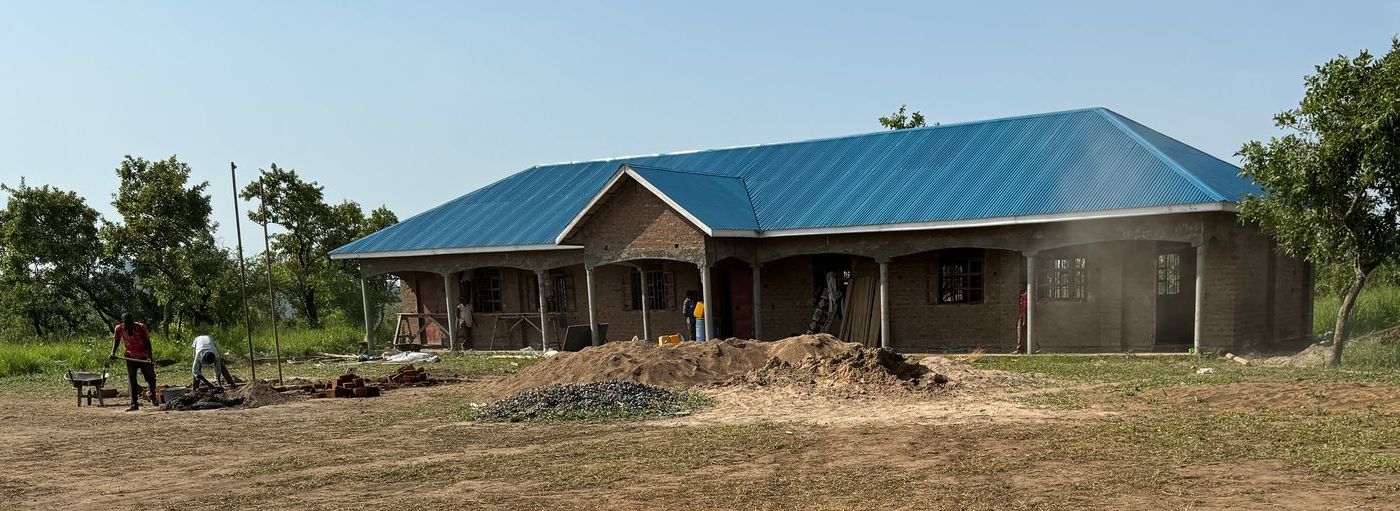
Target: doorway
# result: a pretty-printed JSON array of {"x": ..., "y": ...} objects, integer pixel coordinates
[
  {"x": 733, "y": 296},
  {"x": 1176, "y": 296}
]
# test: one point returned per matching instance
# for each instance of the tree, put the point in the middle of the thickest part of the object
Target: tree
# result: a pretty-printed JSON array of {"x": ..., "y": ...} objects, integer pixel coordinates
[
  {"x": 166, "y": 232},
  {"x": 50, "y": 254},
  {"x": 343, "y": 282},
  {"x": 1331, "y": 185},
  {"x": 298, "y": 207},
  {"x": 901, "y": 120}
]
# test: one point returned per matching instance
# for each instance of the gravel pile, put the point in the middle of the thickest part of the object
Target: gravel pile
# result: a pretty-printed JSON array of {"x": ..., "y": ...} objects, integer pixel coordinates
[{"x": 588, "y": 401}]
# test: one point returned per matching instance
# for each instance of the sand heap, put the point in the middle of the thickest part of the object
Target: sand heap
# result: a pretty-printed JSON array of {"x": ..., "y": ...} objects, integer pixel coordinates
[
  {"x": 820, "y": 360},
  {"x": 257, "y": 394}
]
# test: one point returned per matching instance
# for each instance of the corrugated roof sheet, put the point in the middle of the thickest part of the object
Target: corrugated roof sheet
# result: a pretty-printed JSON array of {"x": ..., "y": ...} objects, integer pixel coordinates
[
  {"x": 1061, "y": 162},
  {"x": 720, "y": 202}
]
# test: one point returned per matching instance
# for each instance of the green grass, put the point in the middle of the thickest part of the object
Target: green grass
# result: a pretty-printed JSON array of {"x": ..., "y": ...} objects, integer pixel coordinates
[
  {"x": 1378, "y": 307},
  {"x": 1325, "y": 443}
]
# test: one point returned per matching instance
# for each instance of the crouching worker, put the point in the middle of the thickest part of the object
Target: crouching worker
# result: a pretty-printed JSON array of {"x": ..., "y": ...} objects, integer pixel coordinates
[
  {"x": 206, "y": 353},
  {"x": 138, "y": 356}
]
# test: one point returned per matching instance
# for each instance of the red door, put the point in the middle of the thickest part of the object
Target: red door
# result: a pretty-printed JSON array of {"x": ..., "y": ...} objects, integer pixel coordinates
[{"x": 741, "y": 303}]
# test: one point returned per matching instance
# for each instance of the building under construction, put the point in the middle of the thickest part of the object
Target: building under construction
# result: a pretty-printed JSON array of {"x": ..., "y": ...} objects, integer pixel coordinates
[{"x": 923, "y": 239}]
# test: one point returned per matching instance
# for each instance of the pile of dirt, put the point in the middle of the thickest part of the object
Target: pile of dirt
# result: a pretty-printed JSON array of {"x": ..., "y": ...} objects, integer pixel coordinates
[
  {"x": 588, "y": 401},
  {"x": 821, "y": 360},
  {"x": 965, "y": 376},
  {"x": 257, "y": 394},
  {"x": 1313, "y": 356}
]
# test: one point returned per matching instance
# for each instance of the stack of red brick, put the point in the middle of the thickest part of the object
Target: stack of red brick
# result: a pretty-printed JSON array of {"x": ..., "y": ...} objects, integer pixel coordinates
[
  {"x": 408, "y": 376},
  {"x": 350, "y": 385}
]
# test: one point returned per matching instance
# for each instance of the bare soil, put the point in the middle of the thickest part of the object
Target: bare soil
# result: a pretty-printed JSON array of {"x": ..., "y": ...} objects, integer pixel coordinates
[
  {"x": 757, "y": 447},
  {"x": 804, "y": 423}
]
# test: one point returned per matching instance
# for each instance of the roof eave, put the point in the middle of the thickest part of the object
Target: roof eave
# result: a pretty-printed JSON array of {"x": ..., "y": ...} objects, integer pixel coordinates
[{"x": 527, "y": 247}]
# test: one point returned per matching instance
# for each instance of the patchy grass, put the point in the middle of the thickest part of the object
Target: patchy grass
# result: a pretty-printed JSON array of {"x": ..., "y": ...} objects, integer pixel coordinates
[
  {"x": 1070, "y": 399},
  {"x": 1378, "y": 307},
  {"x": 1324, "y": 443}
]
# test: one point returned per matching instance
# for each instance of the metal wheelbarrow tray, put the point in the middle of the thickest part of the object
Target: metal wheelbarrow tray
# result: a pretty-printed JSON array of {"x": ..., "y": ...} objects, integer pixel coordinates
[{"x": 94, "y": 382}]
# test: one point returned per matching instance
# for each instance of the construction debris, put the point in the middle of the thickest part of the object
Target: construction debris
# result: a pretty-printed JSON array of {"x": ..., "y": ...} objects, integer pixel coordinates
[
  {"x": 1238, "y": 360},
  {"x": 200, "y": 401},
  {"x": 588, "y": 401}
]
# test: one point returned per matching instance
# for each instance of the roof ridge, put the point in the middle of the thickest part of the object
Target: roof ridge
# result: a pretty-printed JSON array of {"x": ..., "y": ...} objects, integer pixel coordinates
[
  {"x": 824, "y": 139},
  {"x": 678, "y": 171},
  {"x": 1113, "y": 118}
]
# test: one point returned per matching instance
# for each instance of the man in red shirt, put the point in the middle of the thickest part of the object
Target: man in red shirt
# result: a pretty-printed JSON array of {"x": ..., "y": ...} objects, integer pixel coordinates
[
  {"x": 1021, "y": 324},
  {"x": 138, "y": 356}
]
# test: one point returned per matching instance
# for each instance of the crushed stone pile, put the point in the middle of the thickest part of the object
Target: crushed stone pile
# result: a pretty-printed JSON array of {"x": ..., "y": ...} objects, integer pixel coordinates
[
  {"x": 816, "y": 360},
  {"x": 587, "y": 401}
]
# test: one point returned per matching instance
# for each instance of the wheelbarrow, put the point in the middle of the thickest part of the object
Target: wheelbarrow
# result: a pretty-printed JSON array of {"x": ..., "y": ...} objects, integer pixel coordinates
[{"x": 93, "y": 382}]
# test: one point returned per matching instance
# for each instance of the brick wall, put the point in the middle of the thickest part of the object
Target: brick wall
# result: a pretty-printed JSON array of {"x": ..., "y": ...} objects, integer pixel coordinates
[
  {"x": 632, "y": 223},
  {"x": 1255, "y": 298},
  {"x": 919, "y": 323}
]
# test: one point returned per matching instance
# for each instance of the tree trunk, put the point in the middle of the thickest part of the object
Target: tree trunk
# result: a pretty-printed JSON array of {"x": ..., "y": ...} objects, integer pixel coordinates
[
  {"x": 313, "y": 314},
  {"x": 1348, "y": 301}
]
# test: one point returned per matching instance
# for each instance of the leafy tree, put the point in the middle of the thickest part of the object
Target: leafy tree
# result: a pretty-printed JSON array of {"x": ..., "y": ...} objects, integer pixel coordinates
[
  {"x": 1332, "y": 183},
  {"x": 900, "y": 119},
  {"x": 299, "y": 208},
  {"x": 344, "y": 281},
  {"x": 53, "y": 271},
  {"x": 166, "y": 234}
]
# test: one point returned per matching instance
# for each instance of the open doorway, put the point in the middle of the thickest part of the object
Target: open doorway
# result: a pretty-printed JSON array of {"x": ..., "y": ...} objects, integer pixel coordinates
[
  {"x": 733, "y": 296},
  {"x": 1176, "y": 296}
]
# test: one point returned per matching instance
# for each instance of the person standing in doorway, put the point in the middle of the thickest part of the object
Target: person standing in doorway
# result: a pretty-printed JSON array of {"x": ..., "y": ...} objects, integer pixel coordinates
[
  {"x": 688, "y": 311},
  {"x": 1021, "y": 323},
  {"x": 138, "y": 355}
]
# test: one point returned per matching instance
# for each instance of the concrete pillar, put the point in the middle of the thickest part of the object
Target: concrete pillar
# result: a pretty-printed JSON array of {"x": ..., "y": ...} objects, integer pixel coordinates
[
  {"x": 369, "y": 327},
  {"x": 592, "y": 306},
  {"x": 646, "y": 306},
  {"x": 884, "y": 304},
  {"x": 1200, "y": 295},
  {"x": 705, "y": 296},
  {"x": 449, "y": 293},
  {"x": 1031, "y": 279},
  {"x": 757, "y": 303},
  {"x": 540, "y": 279}
]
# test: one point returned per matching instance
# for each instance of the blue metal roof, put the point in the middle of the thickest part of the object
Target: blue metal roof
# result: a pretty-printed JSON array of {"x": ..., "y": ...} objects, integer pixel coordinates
[
  {"x": 720, "y": 202},
  {"x": 1061, "y": 162}
]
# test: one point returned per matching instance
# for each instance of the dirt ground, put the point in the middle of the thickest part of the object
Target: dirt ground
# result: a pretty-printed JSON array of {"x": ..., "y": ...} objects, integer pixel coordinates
[{"x": 1055, "y": 445}]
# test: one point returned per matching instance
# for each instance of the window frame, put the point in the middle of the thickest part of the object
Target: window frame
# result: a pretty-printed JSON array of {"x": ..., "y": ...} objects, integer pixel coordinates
[
  {"x": 482, "y": 300},
  {"x": 661, "y": 295},
  {"x": 958, "y": 277},
  {"x": 1064, "y": 278},
  {"x": 1169, "y": 274}
]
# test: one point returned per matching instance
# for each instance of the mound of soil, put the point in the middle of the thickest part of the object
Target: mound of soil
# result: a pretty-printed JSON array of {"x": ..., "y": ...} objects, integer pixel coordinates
[
  {"x": 819, "y": 359},
  {"x": 257, "y": 394},
  {"x": 963, "y": 375},
  {"x": 587, "y": 401}
]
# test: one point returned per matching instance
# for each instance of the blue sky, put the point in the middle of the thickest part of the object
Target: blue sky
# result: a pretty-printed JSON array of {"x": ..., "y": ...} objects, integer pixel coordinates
[{"x": 409, "y": 104}]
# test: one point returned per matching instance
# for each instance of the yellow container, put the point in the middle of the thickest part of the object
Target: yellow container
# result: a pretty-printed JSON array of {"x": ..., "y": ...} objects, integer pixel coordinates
[{"x": 669, "y": 340}]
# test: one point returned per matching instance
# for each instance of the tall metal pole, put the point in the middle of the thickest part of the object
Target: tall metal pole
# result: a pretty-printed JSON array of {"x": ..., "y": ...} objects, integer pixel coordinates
[
  {"x": 271, "y": 290},
  {"x": 243, "y": 276}
]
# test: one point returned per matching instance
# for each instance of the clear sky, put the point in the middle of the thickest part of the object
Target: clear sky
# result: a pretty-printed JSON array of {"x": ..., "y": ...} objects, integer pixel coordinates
[{"x": 409, "y": 104}]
